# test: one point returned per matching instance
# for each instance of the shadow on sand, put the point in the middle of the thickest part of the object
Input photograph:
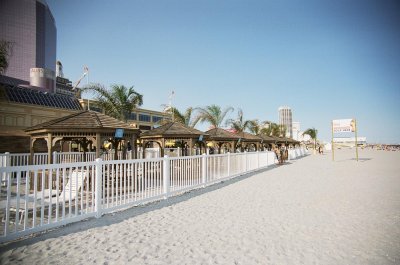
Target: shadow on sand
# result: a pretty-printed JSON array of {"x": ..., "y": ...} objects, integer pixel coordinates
[
  {"x": 354, "y": 159},
  {"x": 361, "y": 159}
]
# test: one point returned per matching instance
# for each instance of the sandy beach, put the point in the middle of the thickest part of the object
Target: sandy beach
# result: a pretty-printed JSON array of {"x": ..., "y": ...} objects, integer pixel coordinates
[{"x": 309, "y": 211}]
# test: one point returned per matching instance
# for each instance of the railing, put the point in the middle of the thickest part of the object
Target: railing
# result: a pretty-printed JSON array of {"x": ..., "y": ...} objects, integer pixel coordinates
[
  {"x": 22, "y": 159},
  {"x": 39, "y": 197}
]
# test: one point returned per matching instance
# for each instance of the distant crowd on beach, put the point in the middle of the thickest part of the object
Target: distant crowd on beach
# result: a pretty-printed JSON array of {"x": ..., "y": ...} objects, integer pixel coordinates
[{"x": 385, "y": 147}]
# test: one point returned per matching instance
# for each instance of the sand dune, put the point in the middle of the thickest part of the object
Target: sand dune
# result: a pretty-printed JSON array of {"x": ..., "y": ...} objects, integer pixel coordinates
[{"x": 310, "y": 211}]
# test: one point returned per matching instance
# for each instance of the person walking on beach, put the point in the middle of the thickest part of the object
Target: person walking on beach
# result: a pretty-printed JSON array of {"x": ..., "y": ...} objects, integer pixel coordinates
[
  {"x": 276, "y": 151},
  {"x": 282, "y": 154}
]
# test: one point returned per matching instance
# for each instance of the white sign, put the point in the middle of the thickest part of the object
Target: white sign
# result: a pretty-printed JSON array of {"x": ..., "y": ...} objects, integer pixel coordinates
[{"x": 345, "y": 125}]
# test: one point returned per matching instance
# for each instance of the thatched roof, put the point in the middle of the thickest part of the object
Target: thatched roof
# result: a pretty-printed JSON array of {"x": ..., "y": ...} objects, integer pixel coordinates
[
  {"x": 218, "y": 134},
  {"x": 84, "y": 121},
  {"x": 173, "y": 130}
]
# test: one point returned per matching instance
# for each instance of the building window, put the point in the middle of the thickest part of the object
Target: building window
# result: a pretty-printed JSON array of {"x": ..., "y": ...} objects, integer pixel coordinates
[
  {"x": 144, "y": 117},
  {"x": 156, "y": 119},
  {"x": 132, "y": 116}
]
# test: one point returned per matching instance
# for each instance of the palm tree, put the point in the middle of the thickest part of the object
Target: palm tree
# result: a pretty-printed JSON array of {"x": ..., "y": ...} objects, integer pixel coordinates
[
  {"x": 312, "y": 132},
  {"x": 184, "y": 118},
  {"x": 5, "y": 52},
  {"x": 256, "y": 127},
  {"x": 239, "y": 125},
  {"x": 213, "y": 115},
  {"x": 273, "y": 129},
  {"x": 117, "y": 102}
]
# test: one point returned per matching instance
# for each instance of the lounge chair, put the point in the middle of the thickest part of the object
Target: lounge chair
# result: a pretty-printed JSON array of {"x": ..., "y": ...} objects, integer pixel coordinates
[{"x": 68, "y": 194}]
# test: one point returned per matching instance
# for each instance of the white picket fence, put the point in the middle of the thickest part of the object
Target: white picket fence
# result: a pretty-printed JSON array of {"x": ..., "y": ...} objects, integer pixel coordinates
[
  {"x": 22, "y": 159},
  {"x": 35, "y": 198}
]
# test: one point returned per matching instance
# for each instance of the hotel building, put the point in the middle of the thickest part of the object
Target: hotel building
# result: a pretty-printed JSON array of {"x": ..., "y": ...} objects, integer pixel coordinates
[
  {"x": 285, "y": 119},
  {"x": 30, "y": 27}
]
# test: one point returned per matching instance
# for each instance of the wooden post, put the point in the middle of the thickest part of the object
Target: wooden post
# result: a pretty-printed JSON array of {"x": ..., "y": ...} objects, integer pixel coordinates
[
  {"x": 333, "y": 148},
  {"x": 134, "y": 145},
  {"x": 355, "y": 131},
  {"x": 31, "y": 151},
  {"x": 98, "y": 145},
  {"x": 190, "y": 146},
  {"x": 50, "y": 148}
]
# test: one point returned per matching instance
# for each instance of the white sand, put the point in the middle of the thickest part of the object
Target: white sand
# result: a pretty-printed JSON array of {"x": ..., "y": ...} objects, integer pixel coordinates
[{"x": 311, "y": 211}]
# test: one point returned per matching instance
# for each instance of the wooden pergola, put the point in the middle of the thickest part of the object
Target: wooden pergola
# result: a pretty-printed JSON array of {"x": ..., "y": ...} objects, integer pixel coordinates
[
  {"x": 174, "y": 133},
  {"x": 268, "y": 142},
  {"x": 86, "y": 128},
  {"x": 248, "y": 140},
  {"x": 284, "y": 141},
  {"x": 221, "y": 138}
]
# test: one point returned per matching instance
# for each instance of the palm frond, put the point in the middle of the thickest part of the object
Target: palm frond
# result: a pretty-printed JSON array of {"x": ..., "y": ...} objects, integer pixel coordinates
[
  {"x": 213, "y": 115},
  {"x": 117, "y": 102}
]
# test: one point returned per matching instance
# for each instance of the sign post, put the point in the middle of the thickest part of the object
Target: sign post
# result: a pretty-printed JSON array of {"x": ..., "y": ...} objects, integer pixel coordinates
[
  {"x": 333, "y": 148},
  {"x": 344, "y": 125},
  {"x": 355, "y": 132}
]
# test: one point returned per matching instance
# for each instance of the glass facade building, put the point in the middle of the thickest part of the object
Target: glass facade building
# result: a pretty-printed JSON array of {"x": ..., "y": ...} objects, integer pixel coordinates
[{"x": 30, "y": 26}]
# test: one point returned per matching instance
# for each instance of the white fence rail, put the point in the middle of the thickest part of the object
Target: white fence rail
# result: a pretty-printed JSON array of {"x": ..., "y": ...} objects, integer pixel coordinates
[
  {"x": 38, "y": 197},
  {"x": 22, "y": 159}
]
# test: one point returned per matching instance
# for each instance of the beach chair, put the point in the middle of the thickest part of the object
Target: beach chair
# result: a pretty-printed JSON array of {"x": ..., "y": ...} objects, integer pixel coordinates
[
  {"x": 68, "y": 195},
  {"x": 44, "y": 194},
  {"x": 71, "y": 189}
]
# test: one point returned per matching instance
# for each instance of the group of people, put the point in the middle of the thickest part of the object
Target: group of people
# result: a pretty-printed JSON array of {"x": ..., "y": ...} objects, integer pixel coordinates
[{"x": 281, "y": 154}]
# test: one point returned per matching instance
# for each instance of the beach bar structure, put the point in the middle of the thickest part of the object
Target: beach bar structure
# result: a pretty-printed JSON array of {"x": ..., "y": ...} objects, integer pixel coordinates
[
  {"x": 267, "y": 142},
  {"x": 174, "y": 134},
  {"x": 222, "y": 140},
  {"x": 89, "y": 129},
  {"x": 249, "y": 142}
]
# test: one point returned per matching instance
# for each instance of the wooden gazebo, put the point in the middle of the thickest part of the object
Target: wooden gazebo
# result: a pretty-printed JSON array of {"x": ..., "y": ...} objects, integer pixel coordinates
[
  {"x": 221, "y": 138},
  {"x": 268, "y": 142},
  {"x": 174, "y": 133},
  {"x": 249, "y": 141},
  {"x": 87, "y": 128},
  {"x": 284, "y": 141}
]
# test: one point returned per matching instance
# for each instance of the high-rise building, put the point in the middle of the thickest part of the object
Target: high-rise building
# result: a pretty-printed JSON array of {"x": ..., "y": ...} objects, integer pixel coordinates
[
  {"x": 285, "y": 119},
  {"x": 296, "y": 130},
  {"x": 30, "y": 27}
]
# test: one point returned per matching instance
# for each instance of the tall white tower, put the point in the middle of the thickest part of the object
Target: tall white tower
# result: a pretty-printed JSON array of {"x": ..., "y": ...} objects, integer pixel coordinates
[
  {"x": 59, "y": 69},
  {"x": 285, "y": 119}
]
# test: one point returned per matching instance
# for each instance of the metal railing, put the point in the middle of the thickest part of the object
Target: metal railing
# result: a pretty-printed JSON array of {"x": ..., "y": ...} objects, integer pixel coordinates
[{"x": 38, "y": 197}]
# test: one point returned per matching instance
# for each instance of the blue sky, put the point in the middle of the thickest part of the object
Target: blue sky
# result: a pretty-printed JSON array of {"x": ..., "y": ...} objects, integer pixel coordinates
[{"x": 324, "y": 59}]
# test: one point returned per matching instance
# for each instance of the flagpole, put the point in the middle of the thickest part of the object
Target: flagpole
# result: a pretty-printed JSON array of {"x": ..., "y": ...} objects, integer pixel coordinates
[{"x": 170, "y": 105}]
